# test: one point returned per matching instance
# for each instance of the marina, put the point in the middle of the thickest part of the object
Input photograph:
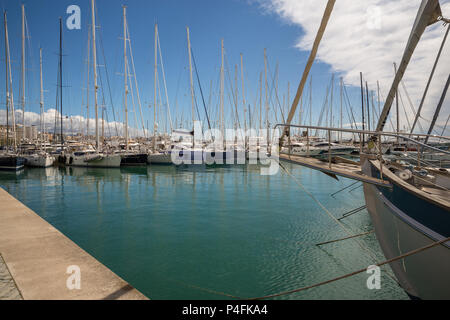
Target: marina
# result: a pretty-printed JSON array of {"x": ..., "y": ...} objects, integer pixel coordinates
[
  {"x": 226, "y": 182},
  {"x": 150, "y": 227}
]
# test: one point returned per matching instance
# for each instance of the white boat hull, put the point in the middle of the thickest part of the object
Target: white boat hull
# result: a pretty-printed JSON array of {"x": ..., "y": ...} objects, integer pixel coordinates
[
  {"x": 40, "y": 161},
  {"x": 101, "y": 161},
  {"x": 159, "y": 158}
]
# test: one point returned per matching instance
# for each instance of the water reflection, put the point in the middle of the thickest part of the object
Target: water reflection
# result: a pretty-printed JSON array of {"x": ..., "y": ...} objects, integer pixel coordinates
[{"x": 223, "y": 228}]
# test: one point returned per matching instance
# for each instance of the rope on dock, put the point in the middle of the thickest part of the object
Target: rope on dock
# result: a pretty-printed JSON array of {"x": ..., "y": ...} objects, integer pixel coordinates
[{"x": 410, "y": 253}]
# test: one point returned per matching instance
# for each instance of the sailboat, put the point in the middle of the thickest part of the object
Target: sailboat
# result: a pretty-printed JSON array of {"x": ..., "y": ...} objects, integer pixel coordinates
[
  {"x": 129, "y": 157},
  {"x": 9, "y": 159},
  {"x": 93, "y": 157},
  {"x": 416, "y": 211},
  {"x": 39, "y": 157},
  {"x": 409, "y": 205},
  {"x": 159, "y": 153}
]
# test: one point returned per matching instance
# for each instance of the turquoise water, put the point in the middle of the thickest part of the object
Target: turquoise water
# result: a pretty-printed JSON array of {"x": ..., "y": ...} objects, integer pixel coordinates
[{"x": 179, "y": 233}]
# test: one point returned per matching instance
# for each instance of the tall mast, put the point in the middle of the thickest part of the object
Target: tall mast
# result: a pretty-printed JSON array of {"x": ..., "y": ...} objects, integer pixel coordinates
[
  {"x": 236, "y": 118},
  {"x": 61, "y": 78},
  {"x": 243, "y": 95},
  {"x": 310, "y": 101},
  {"x": 266, "y": 100},
  {"x": 94, "y": 57},
  {"x": 331, "y": 102},
  {"x": 288, "y": 94},
  {"x": 378, "y": 97},
  {"x": 260, "y": 102},
  {"x": 23, "y": 71},
  {"x": 191, "y": 82},
  {"x": 6, "y": 81},
  {"x": 156, "y": 79},
  {"x": 9, "y": 93},
  {"x": 222, "y": 85},
  {"x": 41, "y": 103},
  {"x": 341, "y": 94},
  {"x": 397, "y": 116},
  {"x": 125, "y": 72},
  {"x": 362, "y": 107},
  {"x": 87, "y": 85},
  {"x": 368, "y": 106}
]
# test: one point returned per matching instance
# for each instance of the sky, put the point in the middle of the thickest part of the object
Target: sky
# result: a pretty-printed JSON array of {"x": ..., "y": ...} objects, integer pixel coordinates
[{"x": 361, "y": 37}]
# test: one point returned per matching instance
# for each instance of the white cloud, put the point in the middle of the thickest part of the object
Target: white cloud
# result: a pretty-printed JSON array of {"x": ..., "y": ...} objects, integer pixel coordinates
[
  {"x": 71, "y": 124},
  {"x": 368, "y": 36}
]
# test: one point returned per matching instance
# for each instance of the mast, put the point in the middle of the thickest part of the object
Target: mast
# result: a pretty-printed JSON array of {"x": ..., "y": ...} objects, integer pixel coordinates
[
  {"x": 243, "y": 97},
  {"x": 125, "y": 73},
  {"x": 379, "y": 98},
  {"x": 362, "y": 107},
  {"x": 103, "y": 123},
  {"x": 87, "y": 85},
  {"x": 266, "y": 101},
  {"x": 9, "y": 93},
  {"x": 368, "y": 106},
  {"x": 156, "y": 79},
  {"x": 236, "y": 118},
  {"x": 341, "y": 95},
  {"x": 438, "y": 109},
  {"x": 222, "y": 84},
  {"x": 23, "y": 71},
  {"x": 6, "y": 81},
  {"x": 331, "y": 101},
  {"x": 260, "y": 101},
  {"x": 41, "y": 103},
  {"x": 94, "y": 57},
  {"x": 61, "y": 78},
  {"x": 310, "y": 101},
  {"x": 192, "y": 84},
  {"x": 397, "y": 116}
]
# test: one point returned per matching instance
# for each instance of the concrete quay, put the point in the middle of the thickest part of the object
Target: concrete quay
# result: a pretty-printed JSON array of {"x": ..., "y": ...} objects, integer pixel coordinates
[{"x": 39, "y": 263}]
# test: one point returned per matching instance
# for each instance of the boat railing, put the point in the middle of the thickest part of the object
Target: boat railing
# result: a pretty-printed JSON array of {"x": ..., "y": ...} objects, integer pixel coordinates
[{"x": 372, "y": 145}]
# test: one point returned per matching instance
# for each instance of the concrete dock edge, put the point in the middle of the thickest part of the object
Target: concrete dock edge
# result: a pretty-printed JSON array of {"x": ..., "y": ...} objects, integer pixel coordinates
[{"x": 38, "y": 258}]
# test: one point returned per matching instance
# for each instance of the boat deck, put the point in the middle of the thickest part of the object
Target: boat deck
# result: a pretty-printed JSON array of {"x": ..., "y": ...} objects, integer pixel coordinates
[{"x": 341, "y": 167}]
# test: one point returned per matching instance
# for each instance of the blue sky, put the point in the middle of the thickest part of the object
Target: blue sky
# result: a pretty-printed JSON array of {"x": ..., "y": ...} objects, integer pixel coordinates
[{"x": 246, "y": 27}]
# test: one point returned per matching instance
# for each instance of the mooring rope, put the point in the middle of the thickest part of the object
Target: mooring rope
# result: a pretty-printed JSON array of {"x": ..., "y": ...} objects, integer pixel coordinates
[
  {"x": 405, "y": 255},
  {"x": 338, "y": 222},
  {"x": 355, "y": 272},
  {"x": 349, "y": 232}
]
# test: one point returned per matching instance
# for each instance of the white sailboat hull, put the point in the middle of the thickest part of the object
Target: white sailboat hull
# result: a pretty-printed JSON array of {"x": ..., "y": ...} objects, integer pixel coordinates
[
  {"x": 159, "y": 158},
  {"x": 97, "y": 161},
  {"x": 40, "y": 161}
]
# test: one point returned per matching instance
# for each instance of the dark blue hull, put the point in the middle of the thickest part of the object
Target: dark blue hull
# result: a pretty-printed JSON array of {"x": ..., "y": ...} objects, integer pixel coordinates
[
  {"x": 13, "y": 163},
  {"x": 406, "y": 219},
  {"x": 132, "y": 160}
]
